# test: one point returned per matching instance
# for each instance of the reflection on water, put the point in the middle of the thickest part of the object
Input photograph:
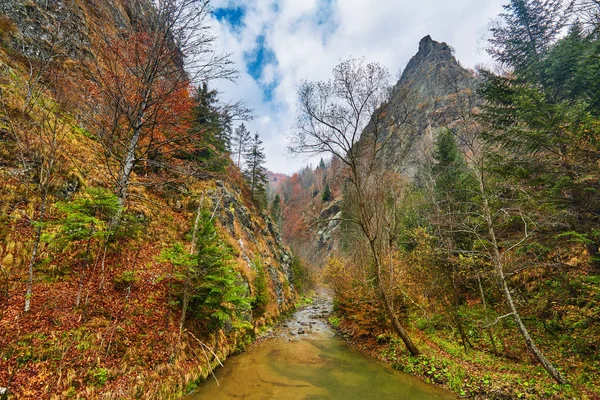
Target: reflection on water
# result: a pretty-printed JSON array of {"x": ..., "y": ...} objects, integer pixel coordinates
[{"x": 313, "y": 365}]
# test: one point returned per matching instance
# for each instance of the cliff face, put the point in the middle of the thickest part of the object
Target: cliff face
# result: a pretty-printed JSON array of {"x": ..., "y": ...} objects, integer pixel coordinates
[
  {"x": 431, "y": 94},
  {"x": 433, "y": 88},
  {"x": 104, "y": 320}
]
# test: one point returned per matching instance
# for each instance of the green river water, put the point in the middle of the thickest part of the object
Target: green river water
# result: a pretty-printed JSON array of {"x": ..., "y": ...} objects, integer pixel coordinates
[{"x": 304, "y": 359}]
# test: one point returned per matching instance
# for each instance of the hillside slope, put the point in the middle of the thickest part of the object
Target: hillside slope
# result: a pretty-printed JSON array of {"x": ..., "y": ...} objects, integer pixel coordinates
[{"x": 106, "y": 297}]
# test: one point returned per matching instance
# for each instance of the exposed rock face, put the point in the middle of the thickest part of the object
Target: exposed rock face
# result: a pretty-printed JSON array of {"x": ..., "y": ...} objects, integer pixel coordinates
[
  {"x": 44, "y": 24},
  {"x": 432, "y": 81},
  {"x": 431, "y": 90},
  {"x": 244, "y": 226}
]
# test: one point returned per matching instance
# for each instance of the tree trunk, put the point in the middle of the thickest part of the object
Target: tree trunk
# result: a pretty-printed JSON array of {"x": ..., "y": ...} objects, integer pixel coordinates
[
  {"x": 34, "y": 253},
  {"x": 391, "y": 313},
  {"x": 489, "y": 328},
  {"x": 186, "y": 289},
  {"x": 499, "y": 269},
  {"x": 123, "y": 183}
]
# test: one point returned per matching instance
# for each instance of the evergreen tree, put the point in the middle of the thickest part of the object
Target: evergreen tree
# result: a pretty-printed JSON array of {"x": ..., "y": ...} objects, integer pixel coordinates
[
  {"x": 241, "y": 140},
  {"x": 256, "y": 173},
  {"x": 322, "y": 164},
  {"x": 208, "y": 285},
  {"x": 276, "y": 210},
  {"x": 210, "y": 132},
  {"x": 525, "y": 31},
  {"x": 326, "y": 195}
]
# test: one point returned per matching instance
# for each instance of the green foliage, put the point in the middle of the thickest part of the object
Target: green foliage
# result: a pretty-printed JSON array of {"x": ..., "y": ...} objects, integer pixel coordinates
[
  {"x": 256, "y": 173},
  {"x": 525, "y": 31},
  {"x": 261, "y": 297},
  {"x": 86, "y": 219},
  {"x": 276, "y": 210},
  {"x": 302, "y": 278},
  {"x": 241, "y": 141},
  {"x": 125, "y": 280},
  {"x": 211, "y": 132},
  {"x": 217, "y": 295},
  {"x": 98, "y": 376},
  {"x": 326, "y": 194},
  {"x": 88, "y": 216}
]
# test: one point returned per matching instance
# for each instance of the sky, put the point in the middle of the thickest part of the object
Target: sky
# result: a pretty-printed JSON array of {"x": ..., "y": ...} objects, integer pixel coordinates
[{"x": 276, "y": 44}]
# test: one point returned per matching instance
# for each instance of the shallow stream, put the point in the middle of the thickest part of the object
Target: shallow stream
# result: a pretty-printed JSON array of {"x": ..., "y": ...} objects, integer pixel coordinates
[{"x": 304, "y": 359}]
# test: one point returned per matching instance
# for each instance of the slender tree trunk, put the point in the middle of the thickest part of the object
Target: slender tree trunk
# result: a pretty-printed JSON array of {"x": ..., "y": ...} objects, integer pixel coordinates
[
  {"x": 185, "y": 302},
  {"x": 499, "y": 269},
  {"x": 391, "y": 313},
  {"x": 489, "y": 328},
  {"x": 34, "y": 252},
  {"x": 83, "y": 268},
  {"x": 123, "y": 183},
  {"x": 186, "y": 288}
]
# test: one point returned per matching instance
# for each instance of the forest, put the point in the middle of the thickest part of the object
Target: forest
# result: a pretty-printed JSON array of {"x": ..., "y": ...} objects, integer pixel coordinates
[
  {"x": 476, "y": 267},
  {"x": 453, "y": 216}
]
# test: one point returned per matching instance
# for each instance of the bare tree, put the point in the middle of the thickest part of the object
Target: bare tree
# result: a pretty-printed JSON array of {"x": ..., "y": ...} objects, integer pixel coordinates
[
  {"x": 143, "y": 75},
  {"x": 497, "y": 203},
  {"x": 589, "y": 13},
  {"x": 40, "y": 134},
  {"x": 345, "y": 117}
]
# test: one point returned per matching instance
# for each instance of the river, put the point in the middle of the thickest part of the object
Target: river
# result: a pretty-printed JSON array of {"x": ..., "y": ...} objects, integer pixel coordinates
[{"x": 304, "y": 359}]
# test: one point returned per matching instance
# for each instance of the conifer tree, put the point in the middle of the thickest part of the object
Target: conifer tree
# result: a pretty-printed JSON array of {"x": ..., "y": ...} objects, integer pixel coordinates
[
  {"x": 256, "y": 173},
  {"x": 209, "y": 135},
  {"x": 322, "y": 164},
  {"x": 276, "y": 210},
  {"x": 525, "y": 31},
  {"x": 326, "y": 195},
  {"x": 208, "y": 284},
  {"x": 241, "y": 140}
]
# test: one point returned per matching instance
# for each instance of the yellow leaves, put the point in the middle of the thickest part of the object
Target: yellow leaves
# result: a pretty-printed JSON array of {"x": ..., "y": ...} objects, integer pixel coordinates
[{"x": 8, "y": 260}]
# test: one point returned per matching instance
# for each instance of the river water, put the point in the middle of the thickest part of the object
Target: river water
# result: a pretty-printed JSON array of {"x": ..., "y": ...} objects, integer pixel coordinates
[{"x": 304, "y": 359}]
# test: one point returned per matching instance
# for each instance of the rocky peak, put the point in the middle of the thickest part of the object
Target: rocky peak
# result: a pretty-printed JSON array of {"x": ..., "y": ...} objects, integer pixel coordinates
[
  {"x": 431, "y": 55},
  {"x": 431, "y": 77}
]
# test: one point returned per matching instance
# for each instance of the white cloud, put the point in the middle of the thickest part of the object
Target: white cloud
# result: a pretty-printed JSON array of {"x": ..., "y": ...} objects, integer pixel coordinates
[{"x": 386, "y": 31}]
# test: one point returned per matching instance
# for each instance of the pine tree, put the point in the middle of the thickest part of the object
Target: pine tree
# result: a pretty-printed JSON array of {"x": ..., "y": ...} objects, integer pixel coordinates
[
  {"x": 276, "y": 210},
  {"x": 326, "y": 195},
  {"x": 322, "y": 164},
  {"x": 209, "y": 132},
  {"x": 525, "y": 31},
  {"x": 241, "y": 141},
  {"x": 209, "y": 286},
  {"x": 256, "y": 173}
]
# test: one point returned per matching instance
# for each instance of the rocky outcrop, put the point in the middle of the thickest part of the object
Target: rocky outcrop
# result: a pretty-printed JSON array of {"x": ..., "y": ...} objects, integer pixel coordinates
[
  {"x": 430, "y": 88},
  {"x": 257, "y": 237},
  {"x": 326, "y": 234},
  {"x": 47, "y": 26}
]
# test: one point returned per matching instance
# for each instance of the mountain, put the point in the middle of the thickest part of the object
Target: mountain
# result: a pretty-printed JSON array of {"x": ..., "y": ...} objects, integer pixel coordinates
[
  {"x": 428, "y": 97},
  {"x": 431, "y": 86}
]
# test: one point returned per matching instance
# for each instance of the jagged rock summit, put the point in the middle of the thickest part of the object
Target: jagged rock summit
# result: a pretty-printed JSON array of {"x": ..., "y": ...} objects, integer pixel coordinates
[{"x": 431, "y": 77}]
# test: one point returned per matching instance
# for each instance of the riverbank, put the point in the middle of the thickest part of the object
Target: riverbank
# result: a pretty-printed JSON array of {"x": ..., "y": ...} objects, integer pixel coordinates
[
  {"x": 474, "y": 374},
  {"x": 305, "y": 358}
]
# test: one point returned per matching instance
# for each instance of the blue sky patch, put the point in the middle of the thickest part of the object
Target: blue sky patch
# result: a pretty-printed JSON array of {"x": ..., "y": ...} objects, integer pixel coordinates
[
  {"x": 232, "y": 16},
  {"x": 257, "y": 60}
]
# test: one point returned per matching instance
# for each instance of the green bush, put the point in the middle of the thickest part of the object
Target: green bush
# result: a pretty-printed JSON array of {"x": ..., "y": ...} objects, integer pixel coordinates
[
  {"x": 125, "y": 280},
  {"x": 206, "y": 280},
  {"x": 261, "y": 298},
  {"x": 98, "y": 376}
]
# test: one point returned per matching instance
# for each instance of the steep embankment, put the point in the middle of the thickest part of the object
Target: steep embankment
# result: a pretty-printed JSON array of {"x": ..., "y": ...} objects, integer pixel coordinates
[{"x": 106, "y": 307}]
